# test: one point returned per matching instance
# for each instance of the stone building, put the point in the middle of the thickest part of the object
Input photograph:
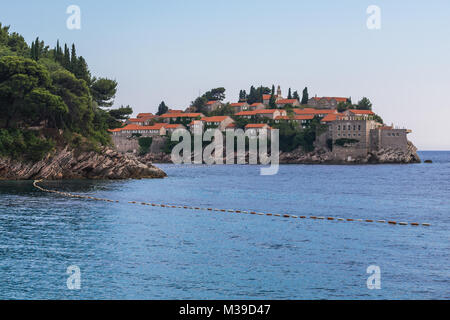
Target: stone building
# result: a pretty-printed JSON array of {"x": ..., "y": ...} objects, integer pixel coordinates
[
  {"x": 219, "y": 122},
  {"x": 240, "y": 106},
  {"x": 283, "y": 102},
  {"x": 326, "y": 102},
  {"x": 213, "y": 106},
  {"x": 355, "y": 137}
]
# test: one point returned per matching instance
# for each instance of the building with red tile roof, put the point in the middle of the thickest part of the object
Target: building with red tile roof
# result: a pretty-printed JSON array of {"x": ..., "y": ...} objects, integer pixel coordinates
[
  {"x": 326, "y": 102},
  {"x": 283, "y": 102},
  {"x": 220, "y": 122},
  {"x": 145, "y": 115},
  {"x": 239, "y": 106}
]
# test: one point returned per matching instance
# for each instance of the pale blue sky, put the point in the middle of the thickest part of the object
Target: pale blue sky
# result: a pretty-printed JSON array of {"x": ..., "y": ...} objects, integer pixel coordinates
[{"x": 169, "y": 50}]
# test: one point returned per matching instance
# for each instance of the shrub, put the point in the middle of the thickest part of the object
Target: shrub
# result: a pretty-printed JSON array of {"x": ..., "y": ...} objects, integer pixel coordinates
[
  {"x": 343, "y": 142},
  {"x": 145, "y": 144}
]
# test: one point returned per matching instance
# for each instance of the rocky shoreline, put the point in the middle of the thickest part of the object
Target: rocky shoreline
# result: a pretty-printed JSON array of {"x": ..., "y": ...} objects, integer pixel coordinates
[
  {"x": 66, "y": 163},
  {"x": 324, "y": 156}
]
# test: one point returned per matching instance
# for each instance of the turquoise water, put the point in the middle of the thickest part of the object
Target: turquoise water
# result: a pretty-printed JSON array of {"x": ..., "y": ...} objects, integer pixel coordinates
[{"x": 129, "y": 251}]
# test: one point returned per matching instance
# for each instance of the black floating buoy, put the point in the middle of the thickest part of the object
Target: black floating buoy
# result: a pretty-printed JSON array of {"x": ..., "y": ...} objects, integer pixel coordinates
[{"x": 428, "y": 161}]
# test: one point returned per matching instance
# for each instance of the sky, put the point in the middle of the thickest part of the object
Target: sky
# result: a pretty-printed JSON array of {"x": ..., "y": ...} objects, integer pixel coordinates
[{"x": 173, "y": 50}]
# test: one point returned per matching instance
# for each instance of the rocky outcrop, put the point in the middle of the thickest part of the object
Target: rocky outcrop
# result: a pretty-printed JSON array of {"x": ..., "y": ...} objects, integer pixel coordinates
[
  {"x": 324, "y": 156},
  {"x": 70, "y": 164},
  {"x": 156, "y": 158},
  {"x": 392, "y": 155}
]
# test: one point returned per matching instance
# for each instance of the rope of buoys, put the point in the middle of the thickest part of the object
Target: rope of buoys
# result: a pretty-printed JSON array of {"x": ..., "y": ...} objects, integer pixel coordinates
[{"x": 286, "y": 216}]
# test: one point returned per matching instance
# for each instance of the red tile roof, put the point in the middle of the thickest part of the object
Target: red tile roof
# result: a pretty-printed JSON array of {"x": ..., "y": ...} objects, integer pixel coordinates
[
  {"x": 308, "y": 111},
  {"x": 332, "y": 117},
  {"x": 176, "y": 111},
  {"x": 257, "y": 126},
  {"x": 182, "y": 115},
  {"x": 239, "y": 104},
  {"x": 267, "y": 96},
  {"x": 172, "y": 126},
  {"x": 287, "y": 101},
  {"x": 256, "y": 104},
  {"x": 266, "y": 111},
  {"x": 212, "y": 102},
  {"x": 362, "y": 112},
  {"x": 134, "y": 127},
  {"x": 145, "y": 115},
  {"x": 215, "y": 119},
  {"x": 246, "y": 113},
  {"x": 338, "y": 99},
  {"x": 304, "y": 117},
  {"x": 137, "y": 120},
  {"x": 301, "y": 117},
  {"x": 231, "y": 125}
]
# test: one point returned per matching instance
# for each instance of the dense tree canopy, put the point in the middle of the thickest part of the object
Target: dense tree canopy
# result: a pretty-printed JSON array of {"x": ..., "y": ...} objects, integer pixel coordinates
[
  {"x": 364, "y": 104},
  {"x": 51, "y": 89}
]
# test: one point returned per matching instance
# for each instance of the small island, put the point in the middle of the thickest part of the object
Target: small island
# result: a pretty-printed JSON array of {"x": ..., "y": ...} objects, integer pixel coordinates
[{"x": 318, "y": 130}]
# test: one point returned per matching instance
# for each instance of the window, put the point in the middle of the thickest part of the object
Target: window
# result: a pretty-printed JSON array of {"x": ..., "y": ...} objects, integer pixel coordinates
[
  {"x": 359, "y": 127},
  {"x": 339, "y": 127}
]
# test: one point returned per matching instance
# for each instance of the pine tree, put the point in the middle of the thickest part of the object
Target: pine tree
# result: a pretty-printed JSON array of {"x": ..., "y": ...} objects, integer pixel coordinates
[
  {"x": 296, "y": 96},
  {"x": 82, "y": 70}
]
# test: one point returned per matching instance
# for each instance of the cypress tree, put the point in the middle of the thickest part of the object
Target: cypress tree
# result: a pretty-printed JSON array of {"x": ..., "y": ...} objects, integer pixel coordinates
[
  {"x": 290, "y": 94},
  {"x": 73, "y": 60},
  {"x": 66, "y": 59},
  {"x": 305, "y": 98},
  {"x": 32, "y": 52}
]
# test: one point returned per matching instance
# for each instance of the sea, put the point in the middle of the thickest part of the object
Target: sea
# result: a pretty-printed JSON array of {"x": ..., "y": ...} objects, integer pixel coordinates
[{"x": 54, "y": 247}]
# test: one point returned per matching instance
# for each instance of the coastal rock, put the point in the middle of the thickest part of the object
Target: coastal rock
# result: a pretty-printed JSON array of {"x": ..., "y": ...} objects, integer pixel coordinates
[
  {"x": 70, "y": 164},
  {"x": 322, "y": 156},
  {"x": 151, "y": 158}
]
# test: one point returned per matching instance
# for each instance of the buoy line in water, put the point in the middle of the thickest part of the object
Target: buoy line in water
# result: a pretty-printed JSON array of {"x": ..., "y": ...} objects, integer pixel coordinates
[{"x": 286, "y": 216}]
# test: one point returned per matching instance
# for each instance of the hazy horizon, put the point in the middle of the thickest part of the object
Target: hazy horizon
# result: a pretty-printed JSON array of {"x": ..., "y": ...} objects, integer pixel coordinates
[{"x": 171, "y": 51}]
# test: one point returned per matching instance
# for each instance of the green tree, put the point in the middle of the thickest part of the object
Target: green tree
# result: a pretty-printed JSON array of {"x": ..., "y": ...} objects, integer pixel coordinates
[
  {"x": 75, "y": 94},
  {"x": 41, "y": 105},
  {"x": 18, "y": 78},
  {"x": 290, "y": 94},
  {"x": 216, "y": 94},
  {"x": 305, "y": 97},
  {"x": 364, "y": 104},
  {"x": 162, "y": 109},
  {"x": 344, "y": 106},
  {"x": 122, "y": 113},
  {"x": 104, "y": 91},
  {"x": 296, "y": 96}
]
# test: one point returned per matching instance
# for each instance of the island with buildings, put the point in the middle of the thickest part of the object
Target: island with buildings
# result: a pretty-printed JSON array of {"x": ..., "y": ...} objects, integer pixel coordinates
[{"x": 328, "y": 130}]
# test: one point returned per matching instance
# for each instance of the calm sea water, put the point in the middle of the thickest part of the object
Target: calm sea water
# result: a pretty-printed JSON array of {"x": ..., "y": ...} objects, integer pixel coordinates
[{"x": 135, "y": 252}]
